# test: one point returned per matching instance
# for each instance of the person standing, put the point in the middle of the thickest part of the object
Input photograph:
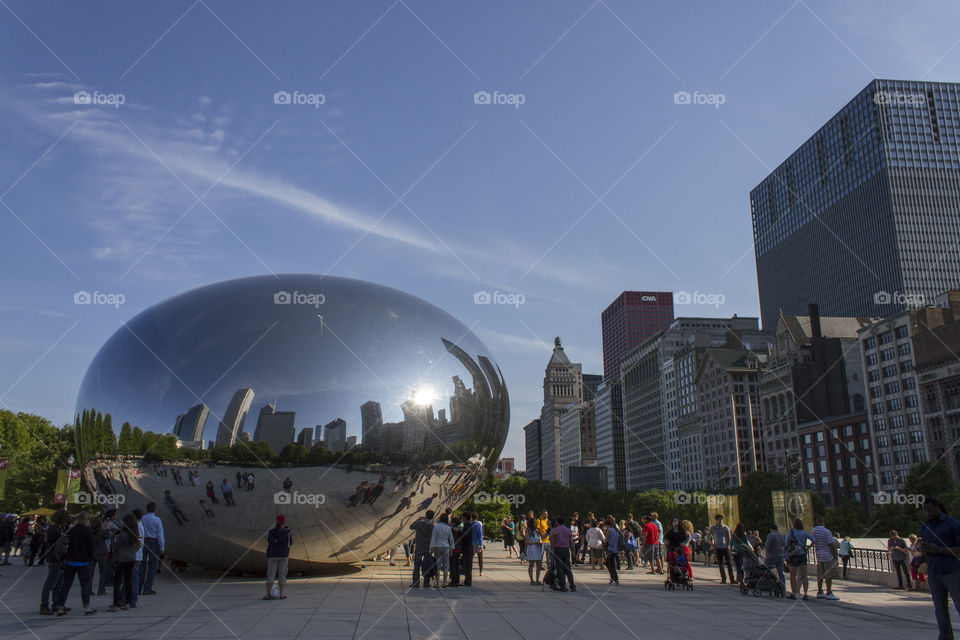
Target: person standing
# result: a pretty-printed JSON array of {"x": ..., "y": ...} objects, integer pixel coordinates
[
  {"x": 720, "y": 534},
  {"x": 940, "y": 544},
  {"x": 543, "y": 527},
  {"x": 534, "y": 550},
  {"x": 77, "y": 564},
  {"x": 507, "y": 530},
  {"x": 773, "y": 548},
  {"x": 138, "y": 568},
  {"x": 651, "y": 536},
  {"x": 101, "y": 553},
  {"x": 53, "y": 533},
  {"x": 227, "y": 490},
  {"x": 422, "y": 533},
  {"x": 478, "y": 540},
  {"x": 153, "y": 546},
  {"x": 441, "y": 541},
  {"x": 521, "y": 530},
  {"x": 456, "y": 560},
  {"x": 561, "y": 539},
  {"x": 125, "y": 546},
  {"x": 796, "y": 549},
  {"x": 279, "y": 540},
  {"x": 8, "y": 533},
  {"x": 466, "y": 549},
  {"x": 658, "y": 551},
  {"x": 612, "y": 549},
  {"x": 897, "y": 548},
  {"x": 595, "y": 539},
  {"x": 846, "y": 551}
]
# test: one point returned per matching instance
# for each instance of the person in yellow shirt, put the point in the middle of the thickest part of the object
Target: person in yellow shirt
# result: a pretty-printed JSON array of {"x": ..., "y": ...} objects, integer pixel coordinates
[{"x": 543, "y": 526}]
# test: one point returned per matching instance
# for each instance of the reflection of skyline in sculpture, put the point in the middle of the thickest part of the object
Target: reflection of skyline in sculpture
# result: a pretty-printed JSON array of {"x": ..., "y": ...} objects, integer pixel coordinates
[
  {"x": 236, "y": 414},
  {"x": 335, "y": 435},
  {"x": 276, "y": 428},
  {"x": 192, "y": 423}
]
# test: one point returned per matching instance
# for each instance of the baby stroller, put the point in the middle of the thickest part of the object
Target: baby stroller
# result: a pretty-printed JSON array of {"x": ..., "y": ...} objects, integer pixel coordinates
[
  {"x": 678, "y": 574},
  {"x": 758, "y": 577},
  {"x": 428, "y": 567}
]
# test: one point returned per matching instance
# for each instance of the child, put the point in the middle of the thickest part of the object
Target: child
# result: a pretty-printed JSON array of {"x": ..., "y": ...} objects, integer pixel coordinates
[{"x": 206, "y": 508}]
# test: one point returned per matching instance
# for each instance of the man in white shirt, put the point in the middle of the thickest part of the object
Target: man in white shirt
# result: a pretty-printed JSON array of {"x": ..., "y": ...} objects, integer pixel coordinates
[{"x": 826, "y": 551}]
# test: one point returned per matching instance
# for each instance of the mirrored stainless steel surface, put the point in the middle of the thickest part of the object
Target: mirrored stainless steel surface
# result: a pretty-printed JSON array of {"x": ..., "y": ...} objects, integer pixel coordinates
[{"x": 409, "y": 406}]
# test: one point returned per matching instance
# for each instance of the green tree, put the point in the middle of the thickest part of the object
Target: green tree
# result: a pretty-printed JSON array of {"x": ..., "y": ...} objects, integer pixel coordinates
[{"x": 756, "y": 503}]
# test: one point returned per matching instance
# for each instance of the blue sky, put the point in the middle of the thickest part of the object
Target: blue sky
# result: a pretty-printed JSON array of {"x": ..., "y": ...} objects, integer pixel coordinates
[{"x": 598, "y": 182}]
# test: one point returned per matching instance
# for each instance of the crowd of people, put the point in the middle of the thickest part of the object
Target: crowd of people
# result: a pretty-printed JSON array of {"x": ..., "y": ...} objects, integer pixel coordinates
[{"x": 96, "y": 552}]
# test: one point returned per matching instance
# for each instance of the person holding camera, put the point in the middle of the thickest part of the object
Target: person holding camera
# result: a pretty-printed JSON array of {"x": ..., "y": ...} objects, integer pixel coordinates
[{"x": 279, "y": 540}]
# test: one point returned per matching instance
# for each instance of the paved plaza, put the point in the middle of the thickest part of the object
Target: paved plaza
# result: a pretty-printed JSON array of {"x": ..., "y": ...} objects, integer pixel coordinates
[{"x": 375, "y": 604}]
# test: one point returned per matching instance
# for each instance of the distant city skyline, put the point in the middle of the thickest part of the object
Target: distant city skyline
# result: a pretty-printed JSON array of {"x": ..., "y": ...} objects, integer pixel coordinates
[{"x": 197, "y": 148}]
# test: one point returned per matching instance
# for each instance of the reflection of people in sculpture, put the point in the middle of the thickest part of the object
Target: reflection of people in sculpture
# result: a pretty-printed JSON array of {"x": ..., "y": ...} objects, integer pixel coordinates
[
  {"x": 405, "y": 503},
  {"x": 211, "y": 493},
  {"x": 426, "y": 503},
  {"x": 206, "y": 508},
  {"x": 227, "y": 490},
  {"x": 287, "y": 484},
  {"x": 174, "y": 509},
  {"x": 360, "y": 492}
]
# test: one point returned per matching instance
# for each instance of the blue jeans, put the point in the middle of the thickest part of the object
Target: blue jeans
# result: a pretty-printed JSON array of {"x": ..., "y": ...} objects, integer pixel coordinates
[
  {"x": 940, "y": 587},
  {"x": 51, "y": 584},
  {"x": 135, "y": 584},
  {"x": 151, "y": 562}
]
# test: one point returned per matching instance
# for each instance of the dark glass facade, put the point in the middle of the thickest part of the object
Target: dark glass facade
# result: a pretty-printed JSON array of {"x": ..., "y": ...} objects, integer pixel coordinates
[
  {"x": 864, "y": 218},
  {"x": 629, "y": 320}
]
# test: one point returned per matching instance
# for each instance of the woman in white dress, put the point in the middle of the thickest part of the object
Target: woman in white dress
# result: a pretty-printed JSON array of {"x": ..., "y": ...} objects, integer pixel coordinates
[{"x": 534, "y": 549}]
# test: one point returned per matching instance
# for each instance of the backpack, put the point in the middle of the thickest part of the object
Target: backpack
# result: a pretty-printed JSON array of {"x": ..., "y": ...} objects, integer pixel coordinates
[
  {"x": 60, "y": 549},
  {"x": 793, "y": 548},
  {"x": 621, "y": 542}
]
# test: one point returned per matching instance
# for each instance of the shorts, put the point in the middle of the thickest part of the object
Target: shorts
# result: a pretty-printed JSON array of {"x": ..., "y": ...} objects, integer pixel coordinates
[
  {"x": 827, "y": 570},
  {"x": 277, "y": 570}
]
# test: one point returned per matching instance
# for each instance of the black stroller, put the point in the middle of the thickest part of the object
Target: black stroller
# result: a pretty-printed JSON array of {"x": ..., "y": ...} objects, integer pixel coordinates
[
  {"x": 428, "y": 567},
  {"x": 758, "y": 577}
]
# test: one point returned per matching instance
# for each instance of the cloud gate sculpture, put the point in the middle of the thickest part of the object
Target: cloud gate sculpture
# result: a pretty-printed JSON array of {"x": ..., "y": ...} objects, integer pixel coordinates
[{"x": 355, "y": 407}]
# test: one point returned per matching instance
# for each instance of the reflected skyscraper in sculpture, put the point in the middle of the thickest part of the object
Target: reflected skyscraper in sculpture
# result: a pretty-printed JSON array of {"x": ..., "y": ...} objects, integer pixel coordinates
[
  {"x": 375, "y": 373},
  {"x": 233, "y": 419}
]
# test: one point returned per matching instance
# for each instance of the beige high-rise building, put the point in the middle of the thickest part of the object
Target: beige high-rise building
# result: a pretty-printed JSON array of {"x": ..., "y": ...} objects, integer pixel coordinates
[{"x": 562, "y": 386}]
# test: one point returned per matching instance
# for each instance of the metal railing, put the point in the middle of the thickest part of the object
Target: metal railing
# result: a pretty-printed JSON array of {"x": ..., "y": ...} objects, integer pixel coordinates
[{"x": 868, "y": 559}]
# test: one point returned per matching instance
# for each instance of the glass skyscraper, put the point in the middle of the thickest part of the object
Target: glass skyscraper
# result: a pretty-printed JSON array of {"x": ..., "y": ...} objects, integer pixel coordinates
[{"x": 864, "y": 218}]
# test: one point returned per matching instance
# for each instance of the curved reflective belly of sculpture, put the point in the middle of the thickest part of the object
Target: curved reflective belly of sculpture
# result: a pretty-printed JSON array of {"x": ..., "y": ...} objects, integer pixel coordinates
[{"x": 373, "y": 383}]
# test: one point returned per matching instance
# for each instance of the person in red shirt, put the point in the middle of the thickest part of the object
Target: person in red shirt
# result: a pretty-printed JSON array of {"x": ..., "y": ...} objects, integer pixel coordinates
[{"x": 651, "y": 541}]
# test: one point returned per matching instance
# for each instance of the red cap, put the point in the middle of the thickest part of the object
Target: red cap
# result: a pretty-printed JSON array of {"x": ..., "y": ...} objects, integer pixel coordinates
[{"x": 281, "y": 519}]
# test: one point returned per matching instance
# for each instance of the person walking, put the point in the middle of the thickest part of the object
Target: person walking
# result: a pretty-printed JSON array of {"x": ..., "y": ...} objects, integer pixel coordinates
[
  {"x": 126, "y": 543},
  {"x": 76, "y": 564},
  {"x": 612, "y": 549},
  {"x": 279, "y": 540},
  {"x": 846, "y": 551},
  {"x": 741, "y": 548},
  {"x": 678, "y": 542},
  {"x": 441, "y": 541},
  {"x": 153, "y": 547},
  {"x": 720, "y": 535},
  {"x": 52, "y": 535},
  {"x": 897, "y": 549},
  {"x": 773, "y": 548},
  {"x": 478, "y": 540},
  {"x": 796, "y": 549},
  {"x": 940, "y": 544},
  {"x": 561, "y": 539},
  {"x": 534, "y": 551}
]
